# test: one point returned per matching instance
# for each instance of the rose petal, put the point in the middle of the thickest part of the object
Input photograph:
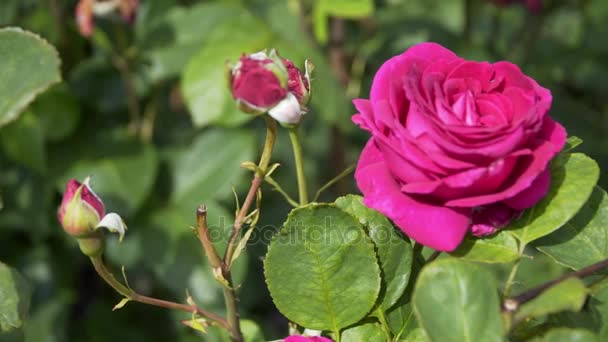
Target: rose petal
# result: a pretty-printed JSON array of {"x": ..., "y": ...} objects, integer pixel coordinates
[
  {"x": 529, "y": 168},
  {"x": 437, "y": 227},
  {"x": 534, "y": 193}
]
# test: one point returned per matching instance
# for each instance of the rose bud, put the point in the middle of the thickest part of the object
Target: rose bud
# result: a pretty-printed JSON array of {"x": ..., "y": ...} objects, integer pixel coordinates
[
  {"x": 81, "y": 209},
  {"x": 299, "y": 338},
  {"x": 534, "y": 6},
  {"x": 87, "y": 9},
  {"x": 84, "y": 17},
  {"x": 266, "y": 83},
  {"x": 82, "y": 213},
  {"x": 128, "y": 9}
]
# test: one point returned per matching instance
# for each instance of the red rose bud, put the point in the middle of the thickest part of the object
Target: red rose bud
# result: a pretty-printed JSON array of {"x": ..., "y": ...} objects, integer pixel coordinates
[
  {"x": 84, "y": 17},
  {"x": 81, "y": 210},
  {"x": 128, "y": 9},
  {"x": 263, "y": 83},
  {"x": 534, "y": 6},
  {"x": 291, "y": 109},
  {"x": 297, "y": 83},
  {"x": 82, "y": 213},
  {"x": 259, "y": 82},
  {"x": 86, "y": 10}
]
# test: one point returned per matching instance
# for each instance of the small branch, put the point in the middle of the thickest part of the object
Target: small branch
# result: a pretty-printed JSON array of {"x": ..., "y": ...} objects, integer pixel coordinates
[
  {"x": 333, "y": 181},
  {"x": 384, "y": 324},
  {"x": 203, "y": 236},
  {"x": 132, "y": 100},
  {"x": 512, "y": 304},
  {"x": 280, "y": 190},
  {"x": 109, "y": 278},
  {"x": 230, "y": 297},
  {"x": 271, "y": 133},
  {"x": 147, "y": 122},
  {"x": 433, "y": 256},
  {"x": 511, "y": 277}
]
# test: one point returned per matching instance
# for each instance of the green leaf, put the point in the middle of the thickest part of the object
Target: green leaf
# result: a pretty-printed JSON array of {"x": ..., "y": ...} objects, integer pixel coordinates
[
  {"x": 568, "y": 335},
  {"x": 29, "y": 66},
  {"x": 121, "y": 304},
  {"x": 321, "y": 268},
  {"x": 210, "y": 166},
  {"x": 107, "y": 94},
  {"x": 15, "y": 296},
  {"x": 394, "y": 251},
  {"x": 122, "y": 171},
  {"x": 350, "y": 9},
  {"x": 573, "y": 177},
  {"x": 205, "y": 78},
  {"x": 329, "y": 101},
  {"x": 416, "y": 335},
  {"x": 401, "y": 318},
  {"x": 353, "y": 9},
  {"x": 572, "y": 142},
  {"x": 598, "y": 305},
  {"x": 172, "y": 39},
  {"x": 47, "y": 323},
  {"x": 58, "y": 112},
  {"x": 368, "y": 332},
  {"x": 251, "y": 331},
  {"x": 457, "y": 301},
  {"x": 499, "y": 248},
  {"x": 569, "y": 294},
  {"x": 584, "y": 239},
  {"x": 23, "y": 141}
]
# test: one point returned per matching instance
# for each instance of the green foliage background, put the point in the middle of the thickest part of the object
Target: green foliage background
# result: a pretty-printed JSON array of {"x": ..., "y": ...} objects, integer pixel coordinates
[{"x": 169, "y": 67}]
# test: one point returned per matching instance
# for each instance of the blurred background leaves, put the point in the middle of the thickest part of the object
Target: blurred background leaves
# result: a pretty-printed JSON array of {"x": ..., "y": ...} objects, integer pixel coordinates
[{"x": 145, "y": 110}]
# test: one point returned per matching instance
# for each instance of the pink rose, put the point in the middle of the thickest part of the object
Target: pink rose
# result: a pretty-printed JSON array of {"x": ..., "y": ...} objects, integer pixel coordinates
[
  {"x": 455, "y": 145},
  {"x": 298, "y": 338}
]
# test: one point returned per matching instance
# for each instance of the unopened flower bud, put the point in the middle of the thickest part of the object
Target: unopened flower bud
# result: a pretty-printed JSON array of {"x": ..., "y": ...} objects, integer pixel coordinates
[
  {"x": 81, "y": 209},
  {"x": 86, "y": 10},
  {"x": 128, "y": 9},
  {"x": 267, "y": 83},
  {"x": 82, "y": 213},
  {"x": 259, "y": 82},
  {"x": 84, "y": 17}
]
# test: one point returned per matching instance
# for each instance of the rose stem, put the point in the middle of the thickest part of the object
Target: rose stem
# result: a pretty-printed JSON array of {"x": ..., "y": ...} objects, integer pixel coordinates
[
  {"x": 109, "y": 278},
  {"x": 511, "y": 277},
  {"x": 229, "y": 290},
  {"x": 513, "y": 303},
  {"x": 433, "y": 256},
  {"x": 297, "y": 154},
  {"x": 203, "y": 236}
]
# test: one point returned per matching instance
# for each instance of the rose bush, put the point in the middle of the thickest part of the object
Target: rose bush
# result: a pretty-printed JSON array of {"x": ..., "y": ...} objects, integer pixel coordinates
[{"x": 455, "y": 146}]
